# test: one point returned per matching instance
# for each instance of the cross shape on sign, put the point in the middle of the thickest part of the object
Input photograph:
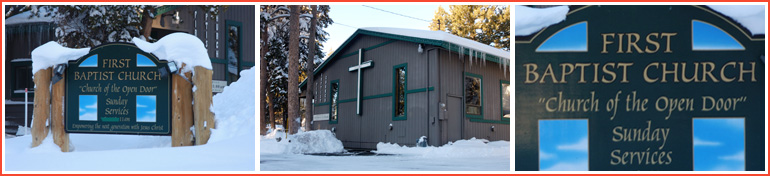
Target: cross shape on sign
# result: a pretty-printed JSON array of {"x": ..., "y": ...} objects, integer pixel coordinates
[{"x": 359, "y": 68}]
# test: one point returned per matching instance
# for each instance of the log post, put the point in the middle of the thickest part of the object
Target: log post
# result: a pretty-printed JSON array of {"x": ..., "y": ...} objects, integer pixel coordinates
[
  {"x": 204, "y": 118},
  {"x": 181, "y": 110},
  {"x": 42, "y": 106},
  {"x": 60, "y": 137}
]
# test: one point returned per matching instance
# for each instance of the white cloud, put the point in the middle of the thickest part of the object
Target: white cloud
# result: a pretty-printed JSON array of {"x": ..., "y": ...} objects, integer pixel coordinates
[
  {"x": 740, "y": 156},
  {"x": 581, "y": 145},
  {"x": 151, "y": 112},
  {"x": 699, "y": 142},
  {"x": 568, "y": 166},
  {"x": 725, "y": 167},
  {"x": 82, "y": 110},
  {"x": 88, "y": 116},
  {"x": 93, "y": 106},
  {"x": 140, "y": 105},
  {"x": 146, "y": 119},
  {"x": 546, "y": 155}
]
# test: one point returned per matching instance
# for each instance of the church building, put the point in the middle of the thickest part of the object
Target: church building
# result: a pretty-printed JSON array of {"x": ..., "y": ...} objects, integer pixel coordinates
[{"x": 396, "y": 85}]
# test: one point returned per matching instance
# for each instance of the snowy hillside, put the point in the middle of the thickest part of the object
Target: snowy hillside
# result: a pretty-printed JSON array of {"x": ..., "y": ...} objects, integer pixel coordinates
[
  {"x": 320, "y": 151},
  {"x": 231, "y": 147}
]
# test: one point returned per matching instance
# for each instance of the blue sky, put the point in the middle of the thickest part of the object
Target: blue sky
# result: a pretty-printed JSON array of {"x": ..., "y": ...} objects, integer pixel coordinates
[
  {"x": 90, "y": 61},
  {"x": 143, "y": 61},
  {"x": 718, "y": 144},
  {"x": 145, "y": 108},
  {"x": 708, "y": 37},
  {"x": 563, "y": 145},
  {"x": 87, "y": 107},
  {"x": 572, "y": 38},
  {"x": 347, "y": 18}
]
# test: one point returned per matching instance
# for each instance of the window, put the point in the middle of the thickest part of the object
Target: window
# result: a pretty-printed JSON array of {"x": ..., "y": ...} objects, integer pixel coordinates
[
  {"x": 473, "y": 95},
  {"x": 505, "y": 100},
  {"x": 23, "y": 79},
  {"x": 399, "y": 88},
  {"x": 334, "y": 94},
  {"x": 233, "y": 49}
]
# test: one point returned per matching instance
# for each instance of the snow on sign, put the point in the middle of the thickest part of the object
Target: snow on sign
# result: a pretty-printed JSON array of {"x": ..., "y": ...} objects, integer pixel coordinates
[
  {"x": 640, "y": 88},
  {"x": 117, "y": 88}
]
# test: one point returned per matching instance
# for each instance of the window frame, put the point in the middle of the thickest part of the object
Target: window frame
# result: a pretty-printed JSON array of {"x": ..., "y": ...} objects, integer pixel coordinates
[
  {"x": 333, "y": 100},
  {"x": 239, "y": 25},
  {"x": 395, "y": 83},
  {"x": 13, "y": 78},
  {"x": 502, "y": 110},
  {"x": 481, "y": 99}
]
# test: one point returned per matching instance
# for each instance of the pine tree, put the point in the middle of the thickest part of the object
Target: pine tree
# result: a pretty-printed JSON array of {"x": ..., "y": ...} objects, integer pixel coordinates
[{"x": 488, "y": 24}]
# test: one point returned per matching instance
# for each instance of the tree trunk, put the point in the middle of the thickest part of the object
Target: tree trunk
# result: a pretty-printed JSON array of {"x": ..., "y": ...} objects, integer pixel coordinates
[
  {"x": 293, "y": 92},
  {"x": 146, "y": 24},
  {"x": 60, "y": 137},
  {"x": 271, "y": 110},
  {"x": 309, "y": 93},
  {"x": 263, "y": 78}
]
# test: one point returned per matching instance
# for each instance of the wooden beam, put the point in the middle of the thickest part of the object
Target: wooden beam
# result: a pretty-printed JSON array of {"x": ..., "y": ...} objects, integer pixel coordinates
[
  {"x": 204, "y": 119},
  {"x": 60, "y": 137},
  {"x": 42, "y": 106},
  {"x": 181, "y": 110}
]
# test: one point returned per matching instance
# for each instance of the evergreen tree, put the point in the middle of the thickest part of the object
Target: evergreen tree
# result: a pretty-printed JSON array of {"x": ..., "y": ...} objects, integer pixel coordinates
[{"x": 488, "y": 24}]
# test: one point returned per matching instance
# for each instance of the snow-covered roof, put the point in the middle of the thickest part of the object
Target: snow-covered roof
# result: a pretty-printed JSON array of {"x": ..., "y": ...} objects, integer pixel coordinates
[
  {"x": 530, "y": 20},
  {"x": 178, "y": 47},
  {"x": 438, "y": 38},
  {"x": 752, "y": 17},
  {"x": 51, "y": 54},
  {"x": 24, "y": 17},
  {"x": 441, "y": 36}
]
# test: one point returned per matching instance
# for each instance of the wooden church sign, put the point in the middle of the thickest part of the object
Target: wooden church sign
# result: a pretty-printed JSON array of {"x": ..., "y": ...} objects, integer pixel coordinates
[
  {"x": 640, "y": 88},
  {"x": 117, "y": 88}
]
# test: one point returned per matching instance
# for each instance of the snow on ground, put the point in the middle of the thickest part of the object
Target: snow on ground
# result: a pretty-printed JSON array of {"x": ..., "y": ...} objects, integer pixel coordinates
[
  {"x": 178, "y": 47},
  {"x": 51, "y": 54},
  {"x": 752, "y": 17},
  {"x": 530, "y": 20},
  {"x": 231, "y": 147},
  {"x": 462, "y": 155}
]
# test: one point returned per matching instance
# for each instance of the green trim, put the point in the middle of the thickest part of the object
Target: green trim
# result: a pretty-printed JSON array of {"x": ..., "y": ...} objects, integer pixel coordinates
[
  {"x": 166, "y": 8},
  {"x": 322, "y": 104},
  {"x": 239, "y": 25},
  {"x": 502, "y": 113},
  {"x": 248, "y": 64},
  {"x": 406, "y": 73},
  {"x": 481, "y": 87},
  {"x": 347, "y": 100},
  {"x": 489, "y": 121},
  {"x": 419, "y": 90},
  {"x": 377, "y": 96},
  {"x": 331, "y": 84},
  {"x": 218, "y": 61},
  {"x": 318, "y": 69}
]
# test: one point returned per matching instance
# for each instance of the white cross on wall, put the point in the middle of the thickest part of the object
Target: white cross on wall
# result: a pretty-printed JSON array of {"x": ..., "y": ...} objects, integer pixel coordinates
[{"x": 359, "y": 68}]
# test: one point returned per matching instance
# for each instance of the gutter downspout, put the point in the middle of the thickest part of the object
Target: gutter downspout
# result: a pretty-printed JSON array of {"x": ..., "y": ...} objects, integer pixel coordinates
[{"x": 427, "y": 90}]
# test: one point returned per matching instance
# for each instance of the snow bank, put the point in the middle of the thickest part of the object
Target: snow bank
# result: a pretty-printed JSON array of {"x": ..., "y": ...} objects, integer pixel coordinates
[
  {"x": 317, "y": 141},
  {"x": 530, "y": 20},
  {"x": 442, "y": 36},
  {"x": 234, "y": 108},
  {"x": 459, "y": 149},
  {"x": 750, "y": 16},
  {"x": 51, "y": 54},
  {"x": 178, "y": 47}
]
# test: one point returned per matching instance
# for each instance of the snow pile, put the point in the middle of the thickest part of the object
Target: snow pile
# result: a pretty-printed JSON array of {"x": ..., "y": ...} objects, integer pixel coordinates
[
  {"x": 750, "y": 16},
  {"x": 317, "y": 141},
  {"x": 459, "y": 149},
  {"x": 443, "y": 36},
  {"x": 51, "y": 54},
  {"x": 234, "y": 108},
  {"x": 530, "y": 20},
  {"x": 178, "y": 47}
]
